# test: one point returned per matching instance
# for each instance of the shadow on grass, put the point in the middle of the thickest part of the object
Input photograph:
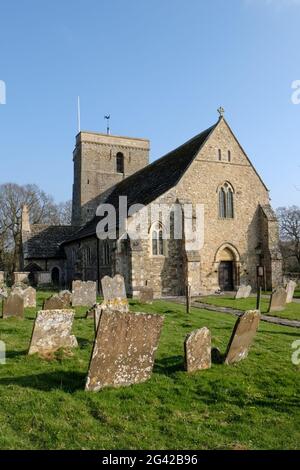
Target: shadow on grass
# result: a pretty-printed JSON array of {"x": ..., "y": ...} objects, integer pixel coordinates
[
  {"x": 169, "y": 365},
  {"x": 66, "y": 381},
  {"x": 13, "y": 354}
]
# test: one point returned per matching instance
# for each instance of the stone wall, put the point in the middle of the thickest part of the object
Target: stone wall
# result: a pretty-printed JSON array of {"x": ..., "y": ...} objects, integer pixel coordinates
[{"x": 95, "y": 168}]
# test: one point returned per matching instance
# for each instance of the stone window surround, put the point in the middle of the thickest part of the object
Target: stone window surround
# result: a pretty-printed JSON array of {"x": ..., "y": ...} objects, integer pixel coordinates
[
  {"x": 165, "y": 244},
  {"x": 226, "y": 185}
]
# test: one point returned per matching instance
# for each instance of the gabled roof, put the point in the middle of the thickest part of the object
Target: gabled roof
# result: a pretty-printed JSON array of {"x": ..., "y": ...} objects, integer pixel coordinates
[
  {"x": 44, "y": 241},
  {"x": 147, "y": 184}
]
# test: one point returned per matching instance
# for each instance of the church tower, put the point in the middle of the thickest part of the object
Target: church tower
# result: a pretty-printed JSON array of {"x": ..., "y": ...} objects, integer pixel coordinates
[{"x": 100, "y": 162}]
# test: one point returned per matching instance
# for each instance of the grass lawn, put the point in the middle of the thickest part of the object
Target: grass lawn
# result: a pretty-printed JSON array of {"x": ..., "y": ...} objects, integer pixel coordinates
[
  {"x": 291, "y": 312},
  {"x": 251, "y": 405}
]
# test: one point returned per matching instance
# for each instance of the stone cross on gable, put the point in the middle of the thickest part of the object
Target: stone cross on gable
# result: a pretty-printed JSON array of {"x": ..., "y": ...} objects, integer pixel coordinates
[{"x": 221, "y": 111}]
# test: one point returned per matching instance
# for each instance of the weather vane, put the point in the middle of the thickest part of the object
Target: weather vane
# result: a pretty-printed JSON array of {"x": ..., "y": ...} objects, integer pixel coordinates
[
  {"x": 221, "y": 111},
  {"x": 107, "y": 117}
]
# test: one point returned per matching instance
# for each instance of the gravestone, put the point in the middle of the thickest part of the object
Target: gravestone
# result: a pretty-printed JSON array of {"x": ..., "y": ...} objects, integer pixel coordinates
[
  {"x": 2, "y": 278},
  {"x": 242, "y": 336},
  {"x": 290, "y": 290},
  {"x": 97, "y": 314},
  {"x": 3, "y": 292},
  {"x": 52, "y": 331},
  {"x": 66, "y": 297},
  {"x": 278, "y": 300},
  {"x": 145, "y": 295},
  {"x": 21, "y": 277},
  {"x": 124, "y": 349},
  {"x": 84, "y": 293},
  {"x": 197, "y": 349},
  {"x": 114, "y": 293},
  {"x": 13, "y": 306},
  {"x": 28, "y": 294},
  {"x": 243, "y": 292},
  {"x": 55, "y": 303}
]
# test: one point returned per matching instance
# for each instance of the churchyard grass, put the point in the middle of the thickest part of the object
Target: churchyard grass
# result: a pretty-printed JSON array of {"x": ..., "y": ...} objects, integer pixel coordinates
[
  {"x": 291, "y": 311},
  {"x": 250, "y": 405}
]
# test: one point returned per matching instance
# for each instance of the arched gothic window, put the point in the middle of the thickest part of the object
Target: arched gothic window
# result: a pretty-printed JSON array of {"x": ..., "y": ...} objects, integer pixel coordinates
[
  {"x": 157, "y": 240},
  {"x": 226, "y": 208},
  {"x": 120, "y": 162}
]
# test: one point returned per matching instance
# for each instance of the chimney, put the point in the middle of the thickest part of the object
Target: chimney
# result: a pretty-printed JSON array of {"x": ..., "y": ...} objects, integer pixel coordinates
[{"x": 25, "y": 219}]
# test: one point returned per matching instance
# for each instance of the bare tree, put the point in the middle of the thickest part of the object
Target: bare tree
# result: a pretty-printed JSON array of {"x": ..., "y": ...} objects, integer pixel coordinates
[
  {"x": 42, "y": 210},
  {"x": 289, "y": 221}
]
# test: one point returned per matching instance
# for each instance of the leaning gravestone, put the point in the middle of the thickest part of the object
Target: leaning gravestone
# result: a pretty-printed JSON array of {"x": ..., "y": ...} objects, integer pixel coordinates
[
  {"x": 124, "y": 349},
  {"x": 197, "y": 349},
  {"x": 66, "y": 296},
  {"x": 243, "y": 292},
  {"x": 145, "y": 295},
  {"x": 13, "y": 306},
  {"x": 52, "y": 331},
  {"x": 278, "y": 300},
  {"x": 84, "y": 293},
  {"x": 28, "y": 294},
  {"x": 114, "y": 293},
  {"x": 242, "y": 336},
  {"x": 290, "y": 290},
  {"x": 55, "y": 303},
  {"x": 3, "y": 292}
]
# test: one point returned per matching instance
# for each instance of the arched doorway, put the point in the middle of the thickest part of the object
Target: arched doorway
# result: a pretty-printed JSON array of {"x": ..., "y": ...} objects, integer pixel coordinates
[
  {"x": 55, "y": 276},
  {"x": 227, "y": 258}
]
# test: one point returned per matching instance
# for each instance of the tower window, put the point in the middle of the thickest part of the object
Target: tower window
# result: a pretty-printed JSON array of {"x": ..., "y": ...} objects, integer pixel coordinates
[
  {"x": 220, "y": 154},
  {"x": 120, "y": 162},
  {"x": 229, "y": 156},
  {"x": 226, "y": 209}
]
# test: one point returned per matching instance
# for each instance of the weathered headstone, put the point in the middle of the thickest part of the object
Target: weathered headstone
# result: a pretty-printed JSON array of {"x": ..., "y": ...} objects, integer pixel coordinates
[
  {"x": 242, "y": 336},
  {"x": 66, "y": 297},
  {"x": 3, "y": 292},
  {"x": 278, "y": 300},
  {"x": 28, "y": 294},
  {"x": 84, "y": 293},
  {"x": 55, "y": 303},
  {"x": 52, "y": 331},
  {"x": 2, "y": 278},
  {"x": 290, "y": 290},
  {"x": 145, "y": 295},
  {"x": 124, "y": 349},
  {"x": 21, "y": 277},
  {"x": 114, "y": 293},
  {"x": 13, "y": 306},
  {"x": 243, "y": 292},
  {"x": 197, "y": 349}
]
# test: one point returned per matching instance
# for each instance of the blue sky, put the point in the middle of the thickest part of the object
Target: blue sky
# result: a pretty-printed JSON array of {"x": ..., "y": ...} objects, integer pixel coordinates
[{"x": 161, "y": 68}]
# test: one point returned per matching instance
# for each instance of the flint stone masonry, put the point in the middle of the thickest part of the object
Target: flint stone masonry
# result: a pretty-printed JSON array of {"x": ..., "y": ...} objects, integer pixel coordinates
[
  {"x": 55, "y": 303},
  {"x": 278, "y": 300},
  {"x": 28, "y": 294},
  {"x": 242, "y": 336},
  {"x": 52, "y": 331},
  {"x": 21, "y": 277},
  {"x": 84, "y": 294},
  {"x": 243, "y": 292},
  {"x": 124, "y": 349},
  {"x": 197, "y": 349},
  {"x": 13, "y": 306},
  {"x": 290, "y": 290}
]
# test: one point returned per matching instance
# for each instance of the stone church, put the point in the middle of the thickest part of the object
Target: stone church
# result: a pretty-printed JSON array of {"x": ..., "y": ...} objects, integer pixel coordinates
[{"x": 240, "y": 230}]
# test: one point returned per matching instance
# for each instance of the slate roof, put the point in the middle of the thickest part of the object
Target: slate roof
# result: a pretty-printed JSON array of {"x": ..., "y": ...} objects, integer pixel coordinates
[
  {"x": 44, "y": 241},
  {"x": 150, "y": 182}
]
